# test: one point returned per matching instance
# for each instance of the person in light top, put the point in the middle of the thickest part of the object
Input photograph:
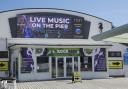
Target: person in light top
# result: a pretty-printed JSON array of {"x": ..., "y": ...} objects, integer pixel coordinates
[{"x": 23, "y": 27}]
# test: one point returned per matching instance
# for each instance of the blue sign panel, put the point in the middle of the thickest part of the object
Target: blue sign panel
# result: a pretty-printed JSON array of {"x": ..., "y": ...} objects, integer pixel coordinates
[{"x": 126, "y": 57}]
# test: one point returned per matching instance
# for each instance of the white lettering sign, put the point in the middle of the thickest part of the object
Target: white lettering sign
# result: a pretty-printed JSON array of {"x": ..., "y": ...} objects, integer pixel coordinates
[{"x": 44, "y": 22}]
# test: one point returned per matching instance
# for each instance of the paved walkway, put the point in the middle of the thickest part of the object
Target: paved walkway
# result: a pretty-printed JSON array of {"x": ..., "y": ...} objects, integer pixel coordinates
[{"x": 116, "y": 83}]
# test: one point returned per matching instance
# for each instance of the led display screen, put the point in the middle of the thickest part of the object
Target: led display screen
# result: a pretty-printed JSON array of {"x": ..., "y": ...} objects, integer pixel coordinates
[{"x": 51, "y": 25}]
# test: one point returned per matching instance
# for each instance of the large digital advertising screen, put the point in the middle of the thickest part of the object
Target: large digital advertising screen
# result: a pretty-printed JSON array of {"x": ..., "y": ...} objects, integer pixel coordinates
[{"x": 51, "y": 25}]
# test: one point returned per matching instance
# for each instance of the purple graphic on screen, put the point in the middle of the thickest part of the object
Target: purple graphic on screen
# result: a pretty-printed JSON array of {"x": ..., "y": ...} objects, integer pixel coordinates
[
  {"x": 26, "y": 53},
  {"x": 100, "y": 60},
  {"x": 27, "y": 65},
  {"x": 50, "y": 26},
  {"x": 23, "y": 27}
]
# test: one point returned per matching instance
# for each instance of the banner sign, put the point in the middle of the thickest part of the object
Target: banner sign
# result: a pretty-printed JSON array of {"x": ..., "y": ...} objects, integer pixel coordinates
[
  {"x": 63, "y": 52},
  {"x": 100, "y": 60},
  {"x": 50, "y": 26},
  {"x": 27, "y": 63},
  {"x": 115, "y": 64},
  {"x": 4, "y": 66}
]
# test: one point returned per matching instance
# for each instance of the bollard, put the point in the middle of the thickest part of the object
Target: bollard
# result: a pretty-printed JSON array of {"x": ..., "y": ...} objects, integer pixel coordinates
[
  {"x": 5, "y": 84},
  {"x": 1, "y": 84},
  {"x": 14, "y": 84}
]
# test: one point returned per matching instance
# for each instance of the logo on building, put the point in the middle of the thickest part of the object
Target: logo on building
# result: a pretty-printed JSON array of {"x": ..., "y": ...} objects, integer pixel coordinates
[{"x": 100, "y": 27}]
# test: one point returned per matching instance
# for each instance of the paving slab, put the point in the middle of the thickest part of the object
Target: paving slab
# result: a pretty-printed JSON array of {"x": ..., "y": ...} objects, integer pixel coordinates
[{"x": 113, "y": 83}]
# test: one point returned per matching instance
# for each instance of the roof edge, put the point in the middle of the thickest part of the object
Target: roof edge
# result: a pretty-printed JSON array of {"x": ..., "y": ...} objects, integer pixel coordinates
[{"x": 57, "y": 9}]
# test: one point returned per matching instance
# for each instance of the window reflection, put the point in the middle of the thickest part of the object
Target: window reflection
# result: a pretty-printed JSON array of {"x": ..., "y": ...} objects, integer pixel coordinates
[
  {"x": 86, "y": 63},
  {"x": 42, "y": 64}
]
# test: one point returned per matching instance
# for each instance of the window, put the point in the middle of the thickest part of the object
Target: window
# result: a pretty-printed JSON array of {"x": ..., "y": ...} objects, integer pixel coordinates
[
  {"x": 114, "y": 54},
  {"x": 3, "y": 54},
  {"x": 86, "y": 63},
  {"x": 27, "y": 66},
  {"x": 42, "y": 64}
]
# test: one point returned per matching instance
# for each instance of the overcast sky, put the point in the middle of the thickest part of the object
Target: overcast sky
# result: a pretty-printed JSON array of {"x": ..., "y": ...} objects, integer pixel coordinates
[{"x": 115, "y": 11}]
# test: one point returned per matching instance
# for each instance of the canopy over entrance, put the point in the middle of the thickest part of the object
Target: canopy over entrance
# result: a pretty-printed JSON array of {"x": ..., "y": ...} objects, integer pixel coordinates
[{"x": 55, "y": 43}]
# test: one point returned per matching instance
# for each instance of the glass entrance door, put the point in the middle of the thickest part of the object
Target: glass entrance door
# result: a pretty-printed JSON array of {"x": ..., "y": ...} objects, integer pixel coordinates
[
  {"x": 76, "y": 63},
  {"x": 63, "y": 67},
  {"x": 60, "y": 67},
  {"x": 57, "y": 67},
  {"x": 72, "y": 65},
  {"x": 53, "y": 67},
  {"x": 69, "y": 66}
]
